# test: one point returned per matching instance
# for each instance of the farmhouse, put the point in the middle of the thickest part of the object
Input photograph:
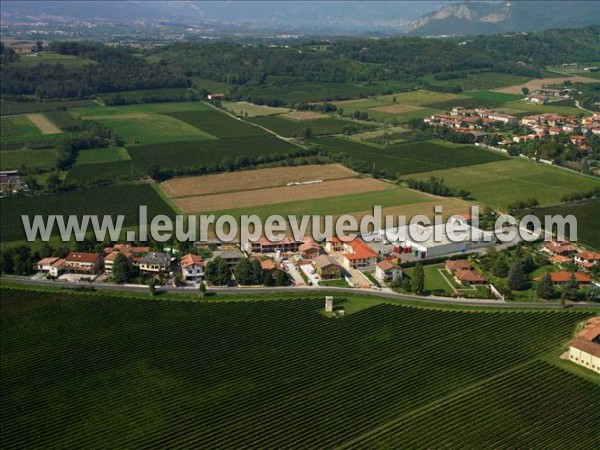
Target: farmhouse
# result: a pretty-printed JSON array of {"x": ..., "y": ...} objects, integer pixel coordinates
[
  {"x": 388, "y": 271},
  {"x": 358, "y": 255},
  {"x": 559, "y": 248},
  {"x": 587, "y": 260},
  {"x": 78, "y": 262},
  {"x": 192, "y": 267},
  {"x": 534, "y": 98},
  {"x": 327, "y": 267},
  {"x": 53, "y": 266},
  {"x": 584, "y": 349},
  {"x": 155, "y": 262}
]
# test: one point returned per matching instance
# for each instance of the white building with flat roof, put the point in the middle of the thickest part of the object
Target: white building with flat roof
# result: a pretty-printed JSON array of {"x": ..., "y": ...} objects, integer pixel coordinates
[{"x": 435, "y": 240}]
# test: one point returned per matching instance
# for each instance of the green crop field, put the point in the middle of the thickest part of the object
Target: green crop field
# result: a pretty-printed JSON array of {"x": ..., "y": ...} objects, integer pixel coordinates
[
  {"x": 411, "y": 158},
  {"x": 79, "y": 369},
  {"x": 19, "y": 127},
  {"x": 68, "y": 61},
  {"x": 219, "y": 124},
  {"x": 110, "y": 200},
  {"x": 62, "y": 119},
  {"x": 495, "y": 96},
  {"x": 8, "y": 107},
  {"x": 109, "y": 172},
  {"x": 468, "y": 102},
  {"x": 148, "y": 95},
  {"x": 28, "y": 159},
  {"x": 290, "y": 128},
  {"x": 587, "y": 215},
  {"x": 102, "y": 155},
  {"x": 251, "y": 110},
  {"x": 496, "y": 184},
  {"x": 172, "y": 155},
  {"x": 547, "y": 108},
  {"x": 480, "y": 80}
]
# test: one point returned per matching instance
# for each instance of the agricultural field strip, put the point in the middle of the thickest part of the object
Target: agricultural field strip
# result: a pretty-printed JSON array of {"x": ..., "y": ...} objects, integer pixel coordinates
[
  {"x": 538, "y": 83},
  {"x": 45, "y": 125},
  {"x": 270, "y": 195},
  {"x": 334, "y": 380},
  {"x": 253, "y": 179}
]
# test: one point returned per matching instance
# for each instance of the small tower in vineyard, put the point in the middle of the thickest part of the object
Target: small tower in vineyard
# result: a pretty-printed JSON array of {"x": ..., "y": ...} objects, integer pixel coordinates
[{"x": 329, "y": 304}]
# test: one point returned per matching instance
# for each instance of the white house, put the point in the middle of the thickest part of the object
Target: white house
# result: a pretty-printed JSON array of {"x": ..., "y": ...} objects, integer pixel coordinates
[
  {"x": 192, "y": 267},
  {"x": 53, "y": 266},
  {"x": 388, "y": 271}
]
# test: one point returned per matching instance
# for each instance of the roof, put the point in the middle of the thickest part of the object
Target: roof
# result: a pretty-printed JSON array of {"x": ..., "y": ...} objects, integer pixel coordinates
[
  {"x": 156, "y": 258},
  {"x": 468, "y": 275},
  {"x": 59, "y": 263},
  {"x": 82, "y": 257},
  {"x": 458, "y": 265},
  {"x": 233, "y": 253},
  {"x": 586, "y": 346},
  {"x": 560, "y": 259},
  {"x": 562, "y": 277},
  {"x": 590, "y": 330},
  {"x": 113, "y": 256},
  {"x": 191, "y": 260},
  {"x": 325, "y": 261},
  {"x": 559, "y": 247},
  {"x": 309, "y": 244},
  {"x": 47, "y": 261},
  {"x": 589, "y": 256},
  {"x": 386, "y": 265},
  {"x": 360, "y": 250},
  {"x": 269, "y": 264}
]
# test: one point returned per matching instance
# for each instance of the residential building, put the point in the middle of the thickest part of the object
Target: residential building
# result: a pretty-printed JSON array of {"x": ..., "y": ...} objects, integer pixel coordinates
[
  {"x": 464, "y": 272},
  {"x": 53, "y": 266},
  {"x": 327, "y": 267},
  {"x": 584, "y": 349},
  {"x": 87, "y": 263},
  {"x": 559, "y": 248},
  {"x": 386, "y": 270},
  {"x": 561, "y": 278},
  {"x": 310, "y": 249},
  {"x": 133, "y": 254},
  {"x": 231, "y": 256},
  {"x": 264, "y": 245},
  {"x": 156, "y": 262},
  {"x": 535, "y": 98},
  {"x": 358, "y": 255},
  {"x": 192, "y": 267},
  {"x": 587, "y": 260}
]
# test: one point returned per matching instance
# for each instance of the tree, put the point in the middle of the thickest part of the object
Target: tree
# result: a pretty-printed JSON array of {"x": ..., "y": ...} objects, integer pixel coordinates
[
  {"x": 178, "y": 279},
  {"x": 500, "y": 268},
  {"x": 525, "y": 90},
  {"x": 243, "y": 271},
  {"x": 269, "y": 280},
  {"x": 217, "y": 272},
  {"x": 517, "y": 280},
  {"x": 545, "y": 288},
  {"x": 257, "y": 272},
  {"x": 152, "y": 286},
  {"x": 571, "y": 288},
  {"x": 280, "y": 278},
  {"x": 121, "y": 271},
  {"x": 202, "y": 290},
  {"x": 406, "y": 285},
  {"x": 418, "y": 279}
]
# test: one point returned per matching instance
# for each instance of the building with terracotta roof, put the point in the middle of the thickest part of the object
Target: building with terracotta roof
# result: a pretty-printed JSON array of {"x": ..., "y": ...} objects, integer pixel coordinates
[
  {"x": 192, "y": 267},
  {"x": 80, "y": 262},
  {"x": 386, "y": 270},
  {"x": 559, "y": 248},
  {"x": 358, "y": 255},
  {"x": 561, "y": 278},
  {"x": 461, "y": 264},
  {"x": 560, "y": 259},
  {"x": 133, "y": 254},
  {"x": 264, "y": 245},
  {"x": 52, "y": 265},
  {"x": 310, "y": 249},
  {"x": 468, "y": 277},
  {"x": 587, "y": 260},
  {"x": 584, "y": 349}
]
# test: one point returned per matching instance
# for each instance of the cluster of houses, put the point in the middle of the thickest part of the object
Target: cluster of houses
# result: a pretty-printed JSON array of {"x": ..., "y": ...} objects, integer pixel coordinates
[
  {"x": 562, "y": 253},
  {"x": 10, "y": 182},
  {"x": 465, "y": 120},
  {"x": 543, "y": 125}
]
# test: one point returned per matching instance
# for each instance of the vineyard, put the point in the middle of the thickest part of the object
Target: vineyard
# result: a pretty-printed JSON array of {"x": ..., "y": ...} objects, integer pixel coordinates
[
  {"x": 7, "y": 131},
  {"x": 291, "y": 128},
  {"x": 90, "y": 370},
  {"x": 219, "y": 124}
]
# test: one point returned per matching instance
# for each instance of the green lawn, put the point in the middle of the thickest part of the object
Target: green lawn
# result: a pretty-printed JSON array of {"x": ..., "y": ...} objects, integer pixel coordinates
[
  {"x": 434, "y": 281},
  {"x": 547, "y": 108},
  {"x": 340, "y": 282},
  {"x": 102, "y": 155},
  {"x": 273, "y": 374},
  {"x": 52, "y": 58},
  {"x": 497, "y": 184}
]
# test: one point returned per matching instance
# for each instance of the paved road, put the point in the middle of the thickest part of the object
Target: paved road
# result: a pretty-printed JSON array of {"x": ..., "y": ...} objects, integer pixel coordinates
[{"x": 241, "y": 291}]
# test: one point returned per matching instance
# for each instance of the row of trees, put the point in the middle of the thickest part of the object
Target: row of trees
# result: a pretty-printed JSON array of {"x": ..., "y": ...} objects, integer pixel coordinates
[
  {"x": 436, "y": 186},
  {"x": 246, "y": 272}
]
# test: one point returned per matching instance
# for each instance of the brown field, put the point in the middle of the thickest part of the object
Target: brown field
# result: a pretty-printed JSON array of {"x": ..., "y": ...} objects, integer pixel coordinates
[
  {"x": 541, "y": 82},
  {"x": 43, "y": 123},
  {"x": 303, "y": 115},
  {"x": 269, "y": 196},
  {"x": 395, "y": 108},
  {"x": 252, "y": 179}
]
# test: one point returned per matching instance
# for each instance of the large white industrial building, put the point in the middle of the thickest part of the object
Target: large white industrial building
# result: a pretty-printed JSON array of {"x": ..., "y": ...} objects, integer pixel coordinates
[{"x": 435, "y": 240}]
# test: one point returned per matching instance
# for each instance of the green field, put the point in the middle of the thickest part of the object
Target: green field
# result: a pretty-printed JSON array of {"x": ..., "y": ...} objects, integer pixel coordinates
[
  {"x": 411, "y": 158},
  {"x": 495, "y": 96},
  {"x": 62, "y": 119},
  {"x": 111, "y": 200},
  {"x": 8, "y": 107},
  {"x": 480, "y": 80},
  {"x": 219, "y": 124},
  {"x": 291, "y": 128},
  {"x": 496, "y": 184},
  {"x": 547, "y": 108},
  {"x": 434, "y": 281},
  {"x": 17, "y": 128},
  {"x": 67, "y": 61},
  {"x": 251, "y": 110},
  {"x": 587, "y": 214},
  {"x": 109, "y": 172},
  {"x": 102, "y": 155},
  {"x": 27, "y": 159},
  {"x": 148, "y": 95},
  {"x": 79, "y": 370}
]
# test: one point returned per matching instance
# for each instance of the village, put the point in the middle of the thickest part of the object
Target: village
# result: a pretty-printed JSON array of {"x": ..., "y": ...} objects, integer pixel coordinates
[{"x": 476, "y": 267}]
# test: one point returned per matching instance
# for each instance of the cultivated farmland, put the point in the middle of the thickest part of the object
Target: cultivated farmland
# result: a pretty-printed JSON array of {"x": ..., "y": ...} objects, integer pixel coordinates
[
  {"x": 290, "y": 128},
  {"x": 264, "y": 374},
  {"x": 251, "y": 110},
  {"x": 496, "y": 184},
  {"x": 270, "y": 196},
  {"x": 219, "y": 124},
  {"x": 252, "y": 179},
  {"x": 539, "y": 83},
  {"x": 45, "y": 125},
  {"x": 111, "y": 200}
]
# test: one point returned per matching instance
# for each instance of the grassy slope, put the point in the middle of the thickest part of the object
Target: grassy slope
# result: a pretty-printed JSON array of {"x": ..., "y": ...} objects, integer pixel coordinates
[{"x": 224, "y": 374}]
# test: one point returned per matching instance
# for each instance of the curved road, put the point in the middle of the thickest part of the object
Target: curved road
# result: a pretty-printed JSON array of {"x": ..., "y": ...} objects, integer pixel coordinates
[{"x": 241, "y": 291}]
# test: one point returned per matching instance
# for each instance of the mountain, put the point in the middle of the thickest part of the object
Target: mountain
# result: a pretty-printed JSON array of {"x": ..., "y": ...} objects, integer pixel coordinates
[{"x": 500, "y": 17}]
